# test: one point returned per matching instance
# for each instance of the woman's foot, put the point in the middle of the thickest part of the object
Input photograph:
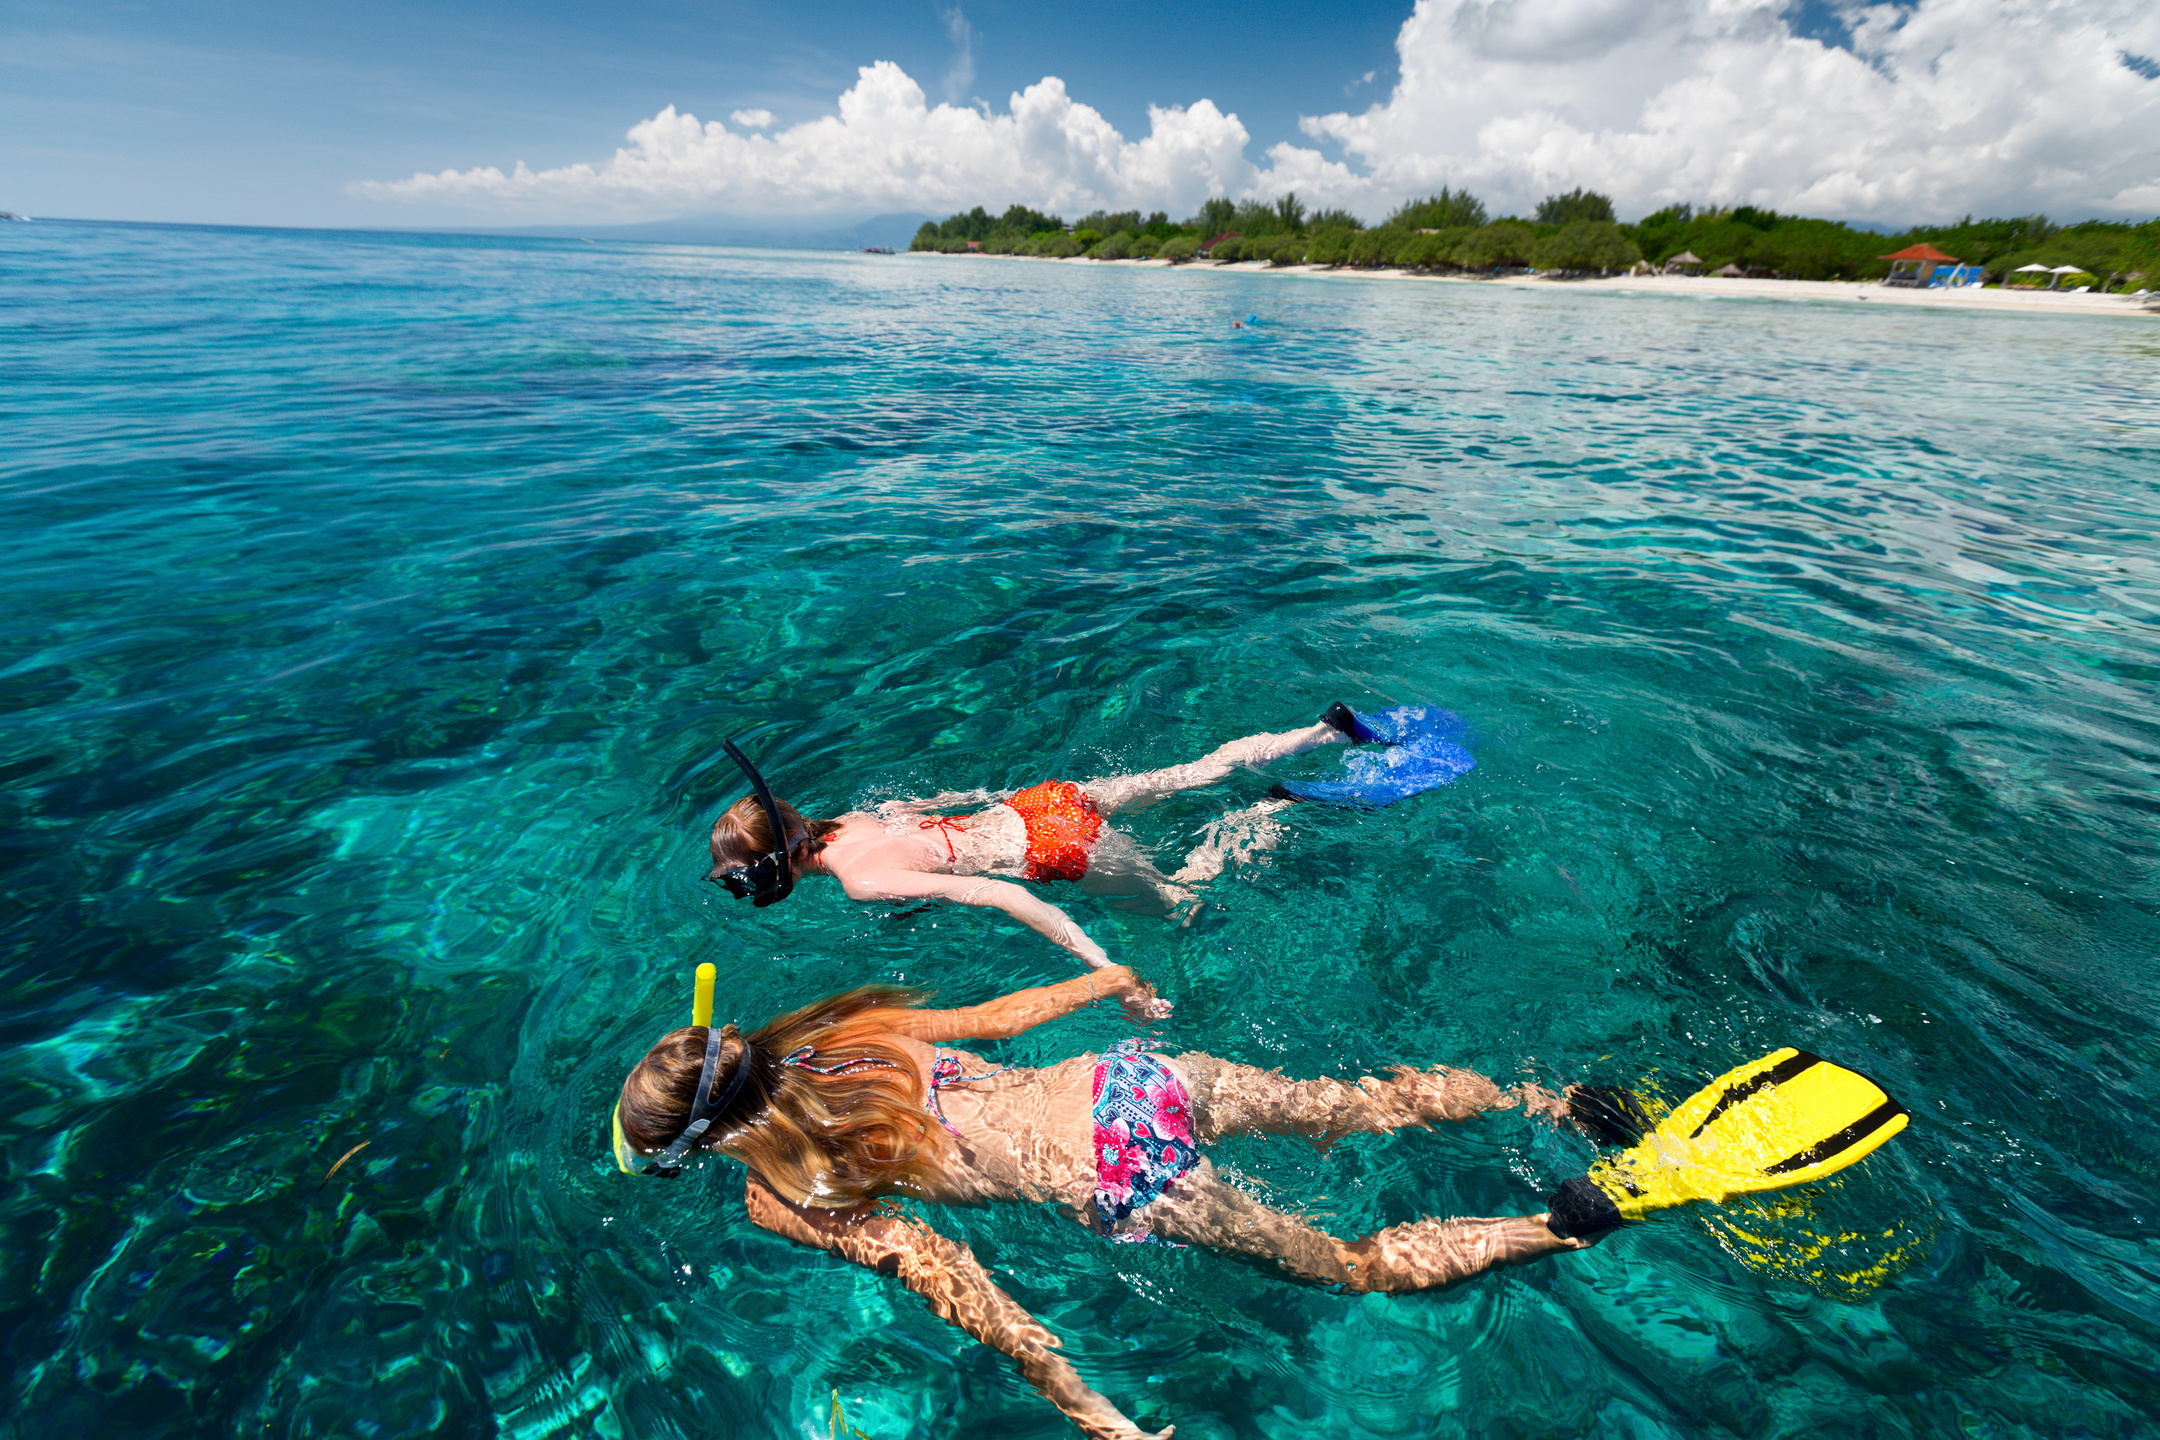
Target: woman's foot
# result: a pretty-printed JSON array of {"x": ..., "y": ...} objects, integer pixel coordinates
[{"x": 1342, "y": 718}]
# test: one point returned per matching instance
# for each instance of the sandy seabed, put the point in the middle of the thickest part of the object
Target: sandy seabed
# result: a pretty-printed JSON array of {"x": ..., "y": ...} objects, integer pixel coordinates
[{"x": 1870, "y": 292}]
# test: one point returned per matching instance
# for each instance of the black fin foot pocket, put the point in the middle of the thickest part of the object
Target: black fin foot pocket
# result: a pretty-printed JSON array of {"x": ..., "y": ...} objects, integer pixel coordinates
[
  {"x": 1277, "y": 792},
  {"x": 1610, "y": 1114},
  {"x": 1339, "y": 715},
  {"x": 1581, "y": 1211}
]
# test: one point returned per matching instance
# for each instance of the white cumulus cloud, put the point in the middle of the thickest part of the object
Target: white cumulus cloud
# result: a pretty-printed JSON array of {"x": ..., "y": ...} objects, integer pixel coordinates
[
  {"x": 885, "y": 148},
  {"x": 1936, "y": 109},
  {"x": 1930, "y": 110}
]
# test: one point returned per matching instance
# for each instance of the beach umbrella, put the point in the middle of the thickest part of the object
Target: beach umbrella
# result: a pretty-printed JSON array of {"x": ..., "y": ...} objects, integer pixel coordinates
[
  {"x": 2067, "y": 270},
  {"x": 2033, "y": 269}
]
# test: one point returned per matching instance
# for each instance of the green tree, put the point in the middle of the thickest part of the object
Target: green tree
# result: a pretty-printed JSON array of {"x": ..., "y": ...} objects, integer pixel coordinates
[
  {"x": 1448, "y": 210},
  {"x": 926, "y": 238},
  {"x": 1376, "y": 247},
  {"x": 1028, "y": 222},
  {"x": 1577, "y": 204},
  {"x": 1595, "y": 245},
  {"x": 1112, "y": 247},
  {"x": 975, "y": 225},
  {"x": 1178, "y": 249},
  {"x": 1111, "y": 223},
  {"x": 1213, "y": 217},
  {"x": 1502, "y": 244},
  {"x": 1330, "y": 246},
  {"x": 1087, "y": 236},
  {"x": 1290, "y": 212},
  {"x": 1432, "y": 250}
]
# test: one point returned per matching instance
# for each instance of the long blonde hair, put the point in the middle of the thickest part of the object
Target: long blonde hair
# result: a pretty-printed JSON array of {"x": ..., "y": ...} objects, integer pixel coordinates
[{"x": 826, "y": 1140}]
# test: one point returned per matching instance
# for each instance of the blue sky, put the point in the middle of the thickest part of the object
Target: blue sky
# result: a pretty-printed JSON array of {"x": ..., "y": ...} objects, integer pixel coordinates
[
  {"x": 396, "y": 113},
  {"x": 244, "y": 111}
]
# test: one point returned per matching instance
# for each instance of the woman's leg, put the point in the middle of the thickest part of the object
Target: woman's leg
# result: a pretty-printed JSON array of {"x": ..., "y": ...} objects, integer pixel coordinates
[
  {"x": 1121, "y": 873},
  {"x": 1238, "y": 836},
  {"x": 1200, "y": 1209},
  {"x": 1230, "y": 1099},
  {"x": 1130, "y": 792}
]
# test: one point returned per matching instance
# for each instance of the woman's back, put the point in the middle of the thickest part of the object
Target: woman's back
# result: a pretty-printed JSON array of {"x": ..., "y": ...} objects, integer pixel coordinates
[{"x": 1013, "y": 1133}]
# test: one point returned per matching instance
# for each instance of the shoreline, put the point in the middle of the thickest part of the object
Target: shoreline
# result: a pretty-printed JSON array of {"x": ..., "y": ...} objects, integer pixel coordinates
[{"x": 1846, "y": 291}]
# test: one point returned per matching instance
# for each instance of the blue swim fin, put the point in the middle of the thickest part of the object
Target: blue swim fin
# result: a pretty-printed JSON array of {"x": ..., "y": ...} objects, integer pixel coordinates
[{"x": 1423, "y": 752}]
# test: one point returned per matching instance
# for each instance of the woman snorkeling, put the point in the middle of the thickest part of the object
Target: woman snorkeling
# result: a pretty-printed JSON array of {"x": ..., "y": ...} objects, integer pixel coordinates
[
  {"x": 860, "y": 1096},
  {"x": 1056, "y": 830}
]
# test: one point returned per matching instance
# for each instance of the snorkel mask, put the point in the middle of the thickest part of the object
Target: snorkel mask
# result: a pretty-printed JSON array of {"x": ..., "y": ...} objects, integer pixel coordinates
[
  {"x": 770, "y": 878},
  {"x": 668, "y": 1163}
]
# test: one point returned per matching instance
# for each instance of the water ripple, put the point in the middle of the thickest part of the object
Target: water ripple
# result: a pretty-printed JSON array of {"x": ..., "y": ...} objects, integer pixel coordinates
[{"x": 377, "y": 605}]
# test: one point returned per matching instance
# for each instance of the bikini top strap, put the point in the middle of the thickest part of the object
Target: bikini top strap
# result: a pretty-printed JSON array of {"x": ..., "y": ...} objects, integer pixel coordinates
[
  {"x": 945, "y": 1073},
  {"x": 945, "y": 825},
  {"x": 800, "y": 1059}
]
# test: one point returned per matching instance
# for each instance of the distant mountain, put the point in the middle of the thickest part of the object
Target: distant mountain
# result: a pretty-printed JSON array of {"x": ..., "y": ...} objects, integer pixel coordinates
[{"x": 893, "y": 231}]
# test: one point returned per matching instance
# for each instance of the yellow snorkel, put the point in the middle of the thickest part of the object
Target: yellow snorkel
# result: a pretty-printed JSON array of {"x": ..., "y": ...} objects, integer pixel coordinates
[{"x": 701, "y": 996}]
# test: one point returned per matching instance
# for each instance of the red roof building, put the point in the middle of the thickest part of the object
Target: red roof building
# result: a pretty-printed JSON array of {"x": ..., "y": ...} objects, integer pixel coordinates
[{"x": 1915, "y": 264}]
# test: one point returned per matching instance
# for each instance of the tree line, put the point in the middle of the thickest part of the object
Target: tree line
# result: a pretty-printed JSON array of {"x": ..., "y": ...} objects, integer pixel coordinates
[{"x": 1571, "y": 233}]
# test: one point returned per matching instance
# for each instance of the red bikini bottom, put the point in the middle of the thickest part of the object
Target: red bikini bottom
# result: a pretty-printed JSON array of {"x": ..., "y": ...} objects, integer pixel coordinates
[{"x": 1062, "y": 824}]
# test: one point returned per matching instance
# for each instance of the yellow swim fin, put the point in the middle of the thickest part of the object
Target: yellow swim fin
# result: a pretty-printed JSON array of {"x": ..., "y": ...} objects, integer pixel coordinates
[{"x": 1785, "y": 1119}]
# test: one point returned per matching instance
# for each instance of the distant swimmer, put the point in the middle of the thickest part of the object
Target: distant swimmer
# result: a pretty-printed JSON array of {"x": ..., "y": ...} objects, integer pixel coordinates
[
  {"x": 861, "y": 1096},
  {"x": 1055, "y": 830},
  {"x": 1241, "y": 324}
]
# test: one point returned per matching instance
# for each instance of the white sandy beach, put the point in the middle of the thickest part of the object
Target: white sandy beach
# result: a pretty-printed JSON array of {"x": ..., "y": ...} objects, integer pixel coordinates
[{"x": 1869, "y": 292}]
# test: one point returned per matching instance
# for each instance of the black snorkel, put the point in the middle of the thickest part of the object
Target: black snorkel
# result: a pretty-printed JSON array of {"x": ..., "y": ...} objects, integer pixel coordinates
[{"x": 770, "y": 878}]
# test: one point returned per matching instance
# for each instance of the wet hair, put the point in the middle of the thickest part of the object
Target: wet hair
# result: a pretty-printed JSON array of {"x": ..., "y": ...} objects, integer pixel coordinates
[
  {"x": 830, "y": 1141},
  {"x": 743, "y": 833}
]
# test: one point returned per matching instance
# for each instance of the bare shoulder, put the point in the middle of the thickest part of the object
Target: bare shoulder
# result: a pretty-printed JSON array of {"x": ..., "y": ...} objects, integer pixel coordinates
[{"x": 923, "y": 1055}]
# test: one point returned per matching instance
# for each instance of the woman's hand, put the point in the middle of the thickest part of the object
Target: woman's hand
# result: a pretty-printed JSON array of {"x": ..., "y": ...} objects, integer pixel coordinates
[
  {"x": 1537, "y": 1100},
  {"x": 1119, "y": 1429},
  {"x": 1089, "y": 1412},
  {"x": 1142, "y": 1004}
]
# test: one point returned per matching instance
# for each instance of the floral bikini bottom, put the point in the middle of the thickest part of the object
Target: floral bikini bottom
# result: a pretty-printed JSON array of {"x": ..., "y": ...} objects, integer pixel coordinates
[{"x": 1143, "y": 1137}]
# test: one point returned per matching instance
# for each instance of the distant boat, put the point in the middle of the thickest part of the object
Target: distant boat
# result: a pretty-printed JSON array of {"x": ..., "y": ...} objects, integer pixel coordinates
[
  {"x": 11, "y": 215},
  {"x": 877, "y": 250}
]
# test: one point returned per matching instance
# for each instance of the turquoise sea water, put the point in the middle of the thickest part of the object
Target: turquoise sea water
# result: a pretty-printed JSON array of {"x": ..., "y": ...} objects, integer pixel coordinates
[{"x": 374, "y": 608}]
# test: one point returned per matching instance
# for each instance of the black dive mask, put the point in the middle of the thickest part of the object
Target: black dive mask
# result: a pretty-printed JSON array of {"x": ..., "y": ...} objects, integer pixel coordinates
[{"x": 770, "y": 878}]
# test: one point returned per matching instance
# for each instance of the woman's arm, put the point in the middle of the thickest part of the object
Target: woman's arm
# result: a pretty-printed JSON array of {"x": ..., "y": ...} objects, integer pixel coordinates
[
  {"x": 1046, "y": 919},
  {"x": 957, "y": 1289},
  {"x": 1023, "y": 1010}
]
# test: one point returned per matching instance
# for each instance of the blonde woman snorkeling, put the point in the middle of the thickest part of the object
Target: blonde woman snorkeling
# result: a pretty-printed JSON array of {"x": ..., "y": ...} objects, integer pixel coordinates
[
  {"x": 1056, "y": 830},
  {"x": 844, "y": 1104}
]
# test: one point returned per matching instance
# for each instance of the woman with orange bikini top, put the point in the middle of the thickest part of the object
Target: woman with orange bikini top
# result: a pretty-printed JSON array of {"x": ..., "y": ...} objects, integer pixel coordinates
[{"x": 1055, "y": 830}]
